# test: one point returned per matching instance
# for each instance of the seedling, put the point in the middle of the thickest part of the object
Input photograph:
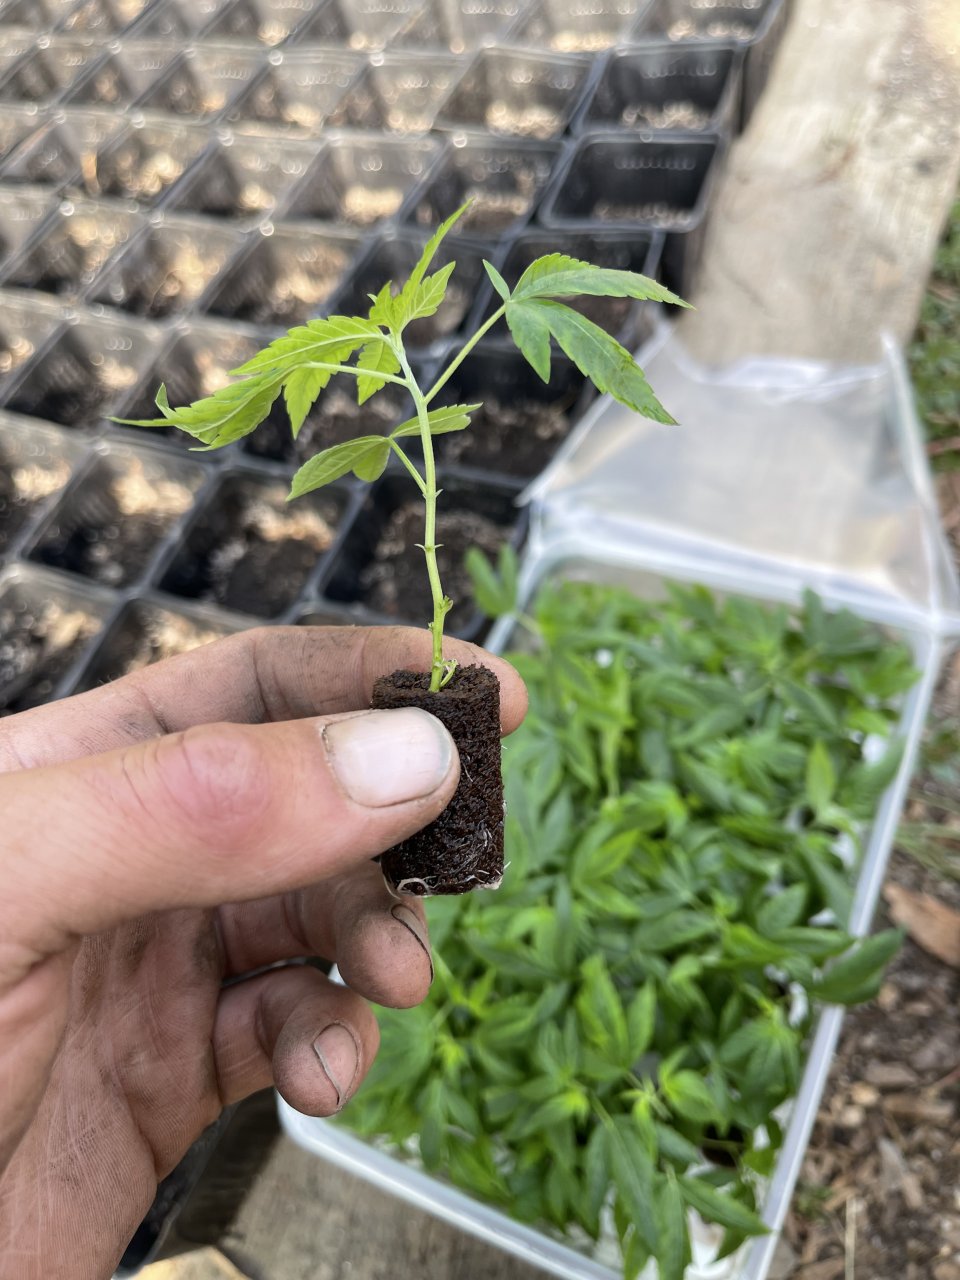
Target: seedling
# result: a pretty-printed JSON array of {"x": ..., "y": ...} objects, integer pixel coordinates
[
  {"x": 370, "y": 349},
  {"x": 301, "y": 363}
]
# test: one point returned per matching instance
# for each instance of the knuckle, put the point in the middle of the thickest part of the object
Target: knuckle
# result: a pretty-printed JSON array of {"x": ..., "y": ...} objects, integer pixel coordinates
[{"x": 217, "y": 777}]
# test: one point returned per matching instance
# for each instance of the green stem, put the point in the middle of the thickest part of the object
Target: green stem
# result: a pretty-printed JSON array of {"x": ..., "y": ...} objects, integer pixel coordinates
[
  {"x": 357, "y": 373},
  {"x": 463, "y": 353},
  {"x": 418, "y": 478},
  {"x": 441, "y": 605}
]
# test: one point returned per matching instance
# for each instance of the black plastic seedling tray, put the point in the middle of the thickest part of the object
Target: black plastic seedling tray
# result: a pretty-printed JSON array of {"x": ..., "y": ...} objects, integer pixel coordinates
[
  {"x": 758, "y": 25},
  {"x": 76, "y": 243},
  {"x": 379, "y": 568},
  {"x": 615, "y": 179},
  {"x": 628, "y": 320},
  {"x": 398, "y": 93},
  {"x": 360, "y": 180},
  {"x": 296, "y": 94},
  {"x": 392, "y": 256},
  {"x": 516, "y": 93},
  {"x": 572, "y": 26},
  {"x": 167, "y": 269},
  {"x": 243, "y": 180},
  {"x": 695, "y": 87},
  {"x": 504, "y": 178},
  {"x": 203, "y": 82},
  {"x": 458, "y": 26}
]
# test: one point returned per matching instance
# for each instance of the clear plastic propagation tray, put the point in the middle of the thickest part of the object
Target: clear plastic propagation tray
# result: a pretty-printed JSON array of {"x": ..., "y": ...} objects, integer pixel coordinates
[{"x": 783, "y": 476}]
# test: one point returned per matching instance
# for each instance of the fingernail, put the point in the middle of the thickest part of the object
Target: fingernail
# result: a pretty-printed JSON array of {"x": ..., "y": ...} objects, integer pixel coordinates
[
  {"x": 339, "y": 1055},
  {"x": 386, "y": 757},
  {"x": 410, "y": 920}
]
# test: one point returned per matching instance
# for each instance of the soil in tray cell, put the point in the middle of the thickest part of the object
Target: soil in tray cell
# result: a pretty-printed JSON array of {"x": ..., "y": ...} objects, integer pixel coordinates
[
  {"x": 285, "y": 279},
  {"x": 381, "y": 566},
  {"x": 395, "y": 581},
  {"x": 335, "y": 417},
  {"x": 111, "y": 525},
  {"x": 39, "y": 642},
  {"x": 26, "y": 482},
  {"x": 251, "y": 551},
  {"x": 517, "y": 437},
  {"x": 145, "y": 634}
]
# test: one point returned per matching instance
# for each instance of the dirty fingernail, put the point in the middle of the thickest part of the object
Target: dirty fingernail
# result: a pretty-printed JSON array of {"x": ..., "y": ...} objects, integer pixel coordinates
[
  {"x": 339, "y": 1055},
  {"x": 386, "y": 757},
  {"x": 410, "y": 920}
]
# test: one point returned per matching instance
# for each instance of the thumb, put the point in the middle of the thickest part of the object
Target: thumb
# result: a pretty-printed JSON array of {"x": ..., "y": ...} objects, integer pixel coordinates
[{"x": 219, "y": 813}]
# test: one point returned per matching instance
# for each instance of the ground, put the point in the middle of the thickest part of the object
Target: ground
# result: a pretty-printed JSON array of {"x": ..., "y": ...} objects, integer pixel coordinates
[{"x": 825, "y": 230}]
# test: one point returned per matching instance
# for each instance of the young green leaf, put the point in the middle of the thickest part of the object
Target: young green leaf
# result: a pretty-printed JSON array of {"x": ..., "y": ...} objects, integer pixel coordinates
[
  {"x": 378, "y": 357},
  {"x": 299, "y": 393},
  {"x": 366, "y": 457},
  {"x": 497, "y": 280},
  {"x": 821, "y": 778},
  {"x": 494, "y": 590},
  {"x": 403, "y": 301},
  {"x": 857, "y": 975},
  {"x": 608, "y": 365},
  {"x": 558, "y": 276},
  {"x": 633, "y": 1176},
  {"x": 329, "y": 341},
  {"x": 674, "y": 1251},
  {"x": 220, "y": 419},
  {"x": 530, "y": 331},
  {"x": 425, "y": 300},
  {"x": 714, "y": 1206},
  {"x": 453, "y": 417}
]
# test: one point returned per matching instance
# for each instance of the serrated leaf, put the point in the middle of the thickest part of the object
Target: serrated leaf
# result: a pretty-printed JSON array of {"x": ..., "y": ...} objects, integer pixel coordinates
[
  {"x": 596, "y": 1174},
  {"x": 227, "y": 415},
  {"x": 330, "y": 341},
  {"x": 608, "y": 365},
  {"x": 821, "y": 781},
  {"x": 425, "y": 300},
  {"x": 861, "y": 970},
  {"x": 300, "y": 390},
  {"x": 714, "y": 1206},
  {"x": 782, "y": 910},
  {"x": 633, "y": 1177},
  {"x": 559, "y": 276},
  {"x": 641, "y": 1020},
  {"x": 497, "y": 280},
  {"x": 426, "y": 258},
  {"x": 383, "y": 307},
  {"x": 377, "y": 357},
  {"x": 531, "y": 333},
  {"x": 454, "y": 417},
  {"x": 688, "y": 1094},
  {"x": 366, "y": 457},
  {"x": 672, "y": 1228}
]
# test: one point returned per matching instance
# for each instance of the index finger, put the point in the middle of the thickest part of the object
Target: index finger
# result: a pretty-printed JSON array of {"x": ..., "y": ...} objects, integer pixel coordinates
[{"x": 265, "y": 674}]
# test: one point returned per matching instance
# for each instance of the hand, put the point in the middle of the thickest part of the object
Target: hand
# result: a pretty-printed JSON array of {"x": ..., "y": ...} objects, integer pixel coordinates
[{"x": 196, "y": 821}]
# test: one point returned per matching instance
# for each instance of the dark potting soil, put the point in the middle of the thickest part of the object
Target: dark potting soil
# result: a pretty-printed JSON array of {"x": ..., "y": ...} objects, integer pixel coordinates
[
  {"x": 518, "y": 439},
  {"x": 395, "y": 581},
  {"x": 261, "y": 567},
  {"x": 23, "y": 486},
  {"x": 336, "y": 418},
  {"x": 463, "y": 848},
  {"x": 150, "y": 639},
  {"x": 37, "y": 647},
  {"x": 112, "y": 532}
]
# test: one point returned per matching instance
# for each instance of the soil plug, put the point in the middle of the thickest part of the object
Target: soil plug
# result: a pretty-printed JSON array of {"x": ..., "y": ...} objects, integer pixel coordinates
[{"x": 463, "y": 849}]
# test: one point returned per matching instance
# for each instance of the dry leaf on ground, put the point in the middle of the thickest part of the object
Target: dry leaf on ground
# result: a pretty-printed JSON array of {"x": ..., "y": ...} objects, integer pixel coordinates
[{"x": 931, "y": 923}]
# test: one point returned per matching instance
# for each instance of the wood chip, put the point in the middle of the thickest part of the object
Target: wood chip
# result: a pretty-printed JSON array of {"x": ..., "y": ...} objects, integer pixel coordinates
[
  {"x": 930, "y": 923},
  {"x": 891, "y": 1075},
  {"x": 828, "y": 1269},
  {"x": 912, "y": 1107}
]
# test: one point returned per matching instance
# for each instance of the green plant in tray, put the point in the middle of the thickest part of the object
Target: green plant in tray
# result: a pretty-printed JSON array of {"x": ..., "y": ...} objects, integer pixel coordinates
[{"x": 609, "y": 1040}]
